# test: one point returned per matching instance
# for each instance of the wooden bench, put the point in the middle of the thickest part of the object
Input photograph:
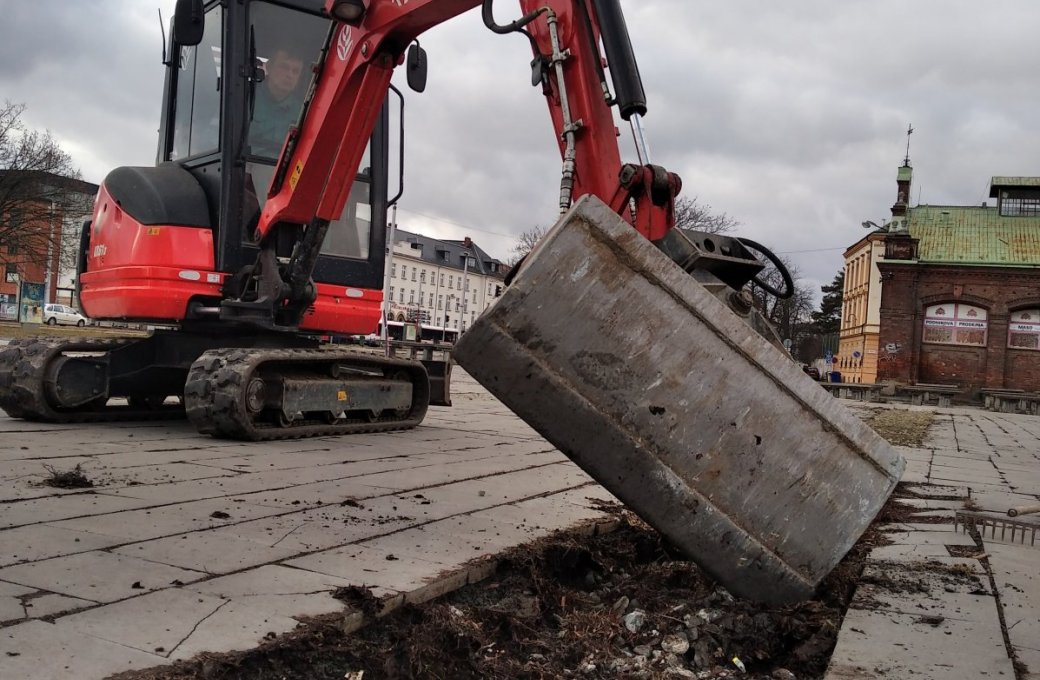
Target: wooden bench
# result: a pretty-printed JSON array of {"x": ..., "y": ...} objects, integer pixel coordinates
[
  {"x": 1011, "y": 401},
  {"x": 857, "y": 391},
  {"x": 922, "y": 394}
]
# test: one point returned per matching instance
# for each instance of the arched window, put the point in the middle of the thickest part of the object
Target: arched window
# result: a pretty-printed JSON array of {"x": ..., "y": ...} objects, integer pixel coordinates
[
  {"x": 1024, "y": 329},
  {"x": 955, "y": 324}
]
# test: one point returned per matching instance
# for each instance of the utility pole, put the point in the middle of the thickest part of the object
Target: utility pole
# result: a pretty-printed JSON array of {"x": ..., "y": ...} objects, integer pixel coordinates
[
  {"x": 418, "y": 312},
  {"x": 465, "y": 288},
  {"x": 386, "y": 279},
  {"x": 50, "y": 257}
]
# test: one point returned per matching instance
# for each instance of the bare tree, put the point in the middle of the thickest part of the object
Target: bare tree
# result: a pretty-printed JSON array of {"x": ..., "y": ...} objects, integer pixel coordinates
[
  {"x": 526, "y": 242},
  {"x": 790, "y": 314},
  {"x": 689, "y": 214},
  {"x": 39, "y": 190}
]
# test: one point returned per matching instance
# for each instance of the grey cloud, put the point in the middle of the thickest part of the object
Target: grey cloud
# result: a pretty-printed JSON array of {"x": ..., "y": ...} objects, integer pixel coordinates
[{"x": 790, "y": 117}]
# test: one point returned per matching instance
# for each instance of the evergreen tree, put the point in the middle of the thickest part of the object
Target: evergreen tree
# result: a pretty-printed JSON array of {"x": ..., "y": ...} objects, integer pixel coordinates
[{"x": 828, "y": 318}]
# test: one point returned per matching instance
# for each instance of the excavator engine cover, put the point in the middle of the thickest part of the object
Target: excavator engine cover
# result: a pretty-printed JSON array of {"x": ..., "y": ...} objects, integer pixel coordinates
[{"x": 708, "y": 432}]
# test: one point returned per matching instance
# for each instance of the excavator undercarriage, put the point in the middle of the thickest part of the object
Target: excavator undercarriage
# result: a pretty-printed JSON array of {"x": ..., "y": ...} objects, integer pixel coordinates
[{"x": 257, "y": 389}]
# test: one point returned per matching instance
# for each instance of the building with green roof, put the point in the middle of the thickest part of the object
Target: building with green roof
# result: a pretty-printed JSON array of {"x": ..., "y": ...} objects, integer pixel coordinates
[{"x": 958, "y": 290}]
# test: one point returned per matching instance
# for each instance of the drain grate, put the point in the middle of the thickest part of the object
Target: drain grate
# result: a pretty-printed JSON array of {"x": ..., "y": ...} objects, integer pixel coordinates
[{"x": 999, "y": 528}]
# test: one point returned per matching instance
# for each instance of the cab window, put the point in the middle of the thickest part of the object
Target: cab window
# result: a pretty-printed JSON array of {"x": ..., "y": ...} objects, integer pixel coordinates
[
  {"x": 196, "y": 113},
  {"x": 288, "y": 46}
]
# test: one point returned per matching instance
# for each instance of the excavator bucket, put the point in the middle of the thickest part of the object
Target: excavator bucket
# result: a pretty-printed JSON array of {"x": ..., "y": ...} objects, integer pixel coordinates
[{"x": 703, "y": 428}]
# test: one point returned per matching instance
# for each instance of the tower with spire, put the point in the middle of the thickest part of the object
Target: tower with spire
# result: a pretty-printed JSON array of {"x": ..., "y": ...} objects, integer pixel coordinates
[{"x": 904, "y": 176}]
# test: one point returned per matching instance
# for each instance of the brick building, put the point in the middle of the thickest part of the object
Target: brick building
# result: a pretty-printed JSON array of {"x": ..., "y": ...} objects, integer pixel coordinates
[
  {"x": 958, "y": 291},
  {"x": 40, "y": 222}
]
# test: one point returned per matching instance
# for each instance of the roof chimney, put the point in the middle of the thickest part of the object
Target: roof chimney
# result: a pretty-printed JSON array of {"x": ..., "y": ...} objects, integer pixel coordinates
[{"x": 467, "y": 242}]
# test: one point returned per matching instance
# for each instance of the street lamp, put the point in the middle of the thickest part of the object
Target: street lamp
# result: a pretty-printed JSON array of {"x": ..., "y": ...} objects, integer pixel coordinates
[{"x": 465, "y": 287}]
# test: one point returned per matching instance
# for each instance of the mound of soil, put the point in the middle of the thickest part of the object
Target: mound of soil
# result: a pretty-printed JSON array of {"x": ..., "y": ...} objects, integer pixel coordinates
[{"x": 617, "y": 605}]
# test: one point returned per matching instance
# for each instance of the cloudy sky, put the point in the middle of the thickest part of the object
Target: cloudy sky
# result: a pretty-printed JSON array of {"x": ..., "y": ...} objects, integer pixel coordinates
[{"x": 789, "y": 116}]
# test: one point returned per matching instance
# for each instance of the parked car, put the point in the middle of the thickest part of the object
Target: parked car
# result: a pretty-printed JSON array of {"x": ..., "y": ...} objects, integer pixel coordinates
[
  {"x": 812, "y": 372},
  {"x": 61, "y": 314}
]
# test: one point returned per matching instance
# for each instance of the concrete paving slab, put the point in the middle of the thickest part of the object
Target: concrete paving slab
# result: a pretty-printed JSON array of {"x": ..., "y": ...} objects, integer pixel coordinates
[
  {"x": 155, "y": 623},
  {"x": 877, "y": 644},
  {"x": 34, "y": 542},
  {"x": 277, "y": 588},
  {"x": 98, "y": 576},
  {"x": 933, "y": 490},
  {"x": 167, "y": 520},
  {"x": 943, "y": 538},
  {"x": 896, "y": 527},
  {"x": 1017, "y": 577},
  {"x": 370, "y": 565},
  {"x": 218, "y": 551},
  {"x": 932, "y": 504},
  {"x": 944, "y": 474},
  {"x": 64, "y": 506},
  {"x": 954, "y": 599},
  {"x": 233, "y": 627},
  {"x": 177, "y": 623},
  {"x": 42, "y": 651},
  {"x": 909, "y": 553},
  {"x": 1030, "y": 661},
  {"x": 11, "y": 605},
  {"x": 41, "y": 604},
  {"x": 105, "y": 477}
]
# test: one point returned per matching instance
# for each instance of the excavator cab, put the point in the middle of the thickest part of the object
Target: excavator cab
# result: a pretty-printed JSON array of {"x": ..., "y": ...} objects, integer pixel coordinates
[{"x": 167, "y": 241}]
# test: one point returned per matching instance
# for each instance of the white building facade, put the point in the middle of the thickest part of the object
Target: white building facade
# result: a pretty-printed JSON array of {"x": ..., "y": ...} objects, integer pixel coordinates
[{"x": 445, "y": 285}]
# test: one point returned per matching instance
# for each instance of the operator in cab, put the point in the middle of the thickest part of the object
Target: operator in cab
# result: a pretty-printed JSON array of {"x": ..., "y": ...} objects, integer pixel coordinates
[{"x": 277, "y": 103}]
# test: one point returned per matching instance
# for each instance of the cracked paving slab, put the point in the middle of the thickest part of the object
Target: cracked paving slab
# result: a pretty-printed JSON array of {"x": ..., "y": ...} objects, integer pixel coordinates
[{"x": 178, "y": 623}]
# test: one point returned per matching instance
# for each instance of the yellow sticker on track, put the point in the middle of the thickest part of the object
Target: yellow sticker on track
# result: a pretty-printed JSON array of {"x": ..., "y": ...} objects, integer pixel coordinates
[{"x": 342, "y": 395}]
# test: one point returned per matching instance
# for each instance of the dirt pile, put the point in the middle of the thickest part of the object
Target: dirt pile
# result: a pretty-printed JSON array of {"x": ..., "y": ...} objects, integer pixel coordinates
[{"x": 619, "y": 605}]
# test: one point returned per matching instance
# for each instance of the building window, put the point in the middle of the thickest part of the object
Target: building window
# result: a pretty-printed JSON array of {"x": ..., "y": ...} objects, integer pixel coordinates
[
  {"x": 11, "y": 273},
  {"x": 955, "y": 324},
  {"x": 442, "y": 278},
  {"x": 411, "y": 297},
  {"x": 393, "y": 270},
  {"x": 413, "y": 273},
  {"x": 1020, "y": 207},
  {"x": 391, "y": 292},
  {"x": 440, "y": 302},
  {"x": 400, "y": 296},
  {"x": 451, "y": 282},
  {"x": 404, "y": 271},
  {"x": 1024, "y": 329}
]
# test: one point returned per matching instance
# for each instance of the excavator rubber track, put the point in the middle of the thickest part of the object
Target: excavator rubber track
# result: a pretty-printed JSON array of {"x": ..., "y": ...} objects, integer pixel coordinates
[
  {"x": 25, "y": 380},
  {"x": 221, "y": 393}
]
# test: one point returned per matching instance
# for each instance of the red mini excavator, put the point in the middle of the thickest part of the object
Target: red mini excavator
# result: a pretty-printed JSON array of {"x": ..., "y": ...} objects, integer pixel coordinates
[
  {"x": 262, "y": 226},
  {"x": 625, "y": 342}
]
